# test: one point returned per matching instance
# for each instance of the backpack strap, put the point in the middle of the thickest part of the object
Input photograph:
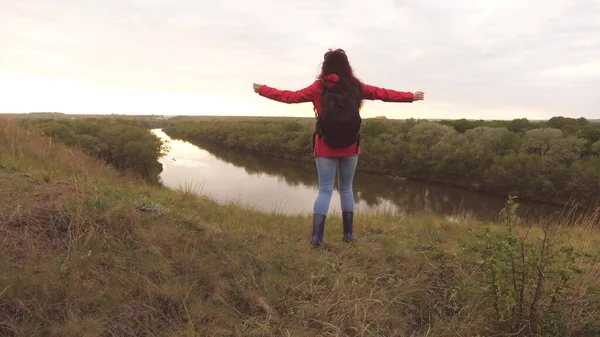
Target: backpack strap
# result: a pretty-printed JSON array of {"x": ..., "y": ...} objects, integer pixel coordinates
[
  {"x": 317, "y": 127},
  {"x": 314, "y": 135}
]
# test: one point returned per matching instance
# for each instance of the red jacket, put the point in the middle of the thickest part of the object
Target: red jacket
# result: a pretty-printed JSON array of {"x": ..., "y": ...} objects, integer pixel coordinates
[{"x": 314, "y": 92}]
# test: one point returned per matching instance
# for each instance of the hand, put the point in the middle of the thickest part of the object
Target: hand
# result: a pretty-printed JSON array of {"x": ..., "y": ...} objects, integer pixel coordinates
[
  {"x": 256, "y": 87},
  {"x": 419, "y": 96}
]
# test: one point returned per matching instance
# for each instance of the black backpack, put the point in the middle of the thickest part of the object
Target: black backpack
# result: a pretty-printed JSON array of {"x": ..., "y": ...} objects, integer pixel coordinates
[{"x": 339, "y": 122}]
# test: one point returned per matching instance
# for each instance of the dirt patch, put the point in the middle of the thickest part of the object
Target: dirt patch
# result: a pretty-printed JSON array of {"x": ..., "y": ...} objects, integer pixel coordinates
[
  {"x": 34, "y": 214},
  {"x": 55, "y": 191},
  {"x": 8, "y": 178},
  {"x": 35, "y": 199}
]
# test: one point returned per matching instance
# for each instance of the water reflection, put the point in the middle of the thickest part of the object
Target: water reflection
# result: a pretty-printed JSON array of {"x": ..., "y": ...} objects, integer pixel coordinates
[{"x": 274, "y": 184}]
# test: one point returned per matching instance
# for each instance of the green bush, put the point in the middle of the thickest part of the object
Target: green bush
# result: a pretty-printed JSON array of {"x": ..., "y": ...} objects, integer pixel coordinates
[
  {"x": 124, "y": 144},
  {"x": 527, "y": 275}
]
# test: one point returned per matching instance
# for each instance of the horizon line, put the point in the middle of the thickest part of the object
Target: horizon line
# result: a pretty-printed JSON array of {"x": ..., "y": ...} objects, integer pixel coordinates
[{"x": 262, "y": 116}]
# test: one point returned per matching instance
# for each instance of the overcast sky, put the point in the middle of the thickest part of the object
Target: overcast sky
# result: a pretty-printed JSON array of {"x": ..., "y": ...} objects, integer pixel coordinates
[{"x": 473, "y": 59}]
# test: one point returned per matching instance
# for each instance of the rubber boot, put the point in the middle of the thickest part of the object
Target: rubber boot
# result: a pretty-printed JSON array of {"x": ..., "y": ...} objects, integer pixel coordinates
[
  {"x": 318, "y": 229},
  {"x": 348, "y": 219}
]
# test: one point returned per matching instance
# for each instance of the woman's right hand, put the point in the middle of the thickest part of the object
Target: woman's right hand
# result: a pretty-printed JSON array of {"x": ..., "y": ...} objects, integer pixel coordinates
[{"x": 419, "y": 96}]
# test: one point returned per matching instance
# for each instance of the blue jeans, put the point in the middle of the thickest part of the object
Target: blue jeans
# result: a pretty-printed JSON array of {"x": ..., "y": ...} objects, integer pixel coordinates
[{"x": 326, "y": 168}]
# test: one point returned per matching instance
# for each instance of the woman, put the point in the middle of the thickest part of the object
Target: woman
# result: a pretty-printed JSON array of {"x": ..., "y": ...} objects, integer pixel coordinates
[{"x": 335, "y": 72}]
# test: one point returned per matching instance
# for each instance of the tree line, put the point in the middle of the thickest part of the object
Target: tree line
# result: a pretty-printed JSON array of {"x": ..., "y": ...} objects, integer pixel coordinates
[
  {"x": 554, "y": 161},
  {"x": 125, "y": 144}
]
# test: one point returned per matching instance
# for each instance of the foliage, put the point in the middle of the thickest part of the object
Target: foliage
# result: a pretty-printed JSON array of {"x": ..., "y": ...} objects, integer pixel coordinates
[
  {"x": 541, "y": 161},
  {"x": 538, "y": 141},
  {"x": 528, "y": 274},
  {"x": 124, "y": 144},
  {"x": 596, "y": 148}
]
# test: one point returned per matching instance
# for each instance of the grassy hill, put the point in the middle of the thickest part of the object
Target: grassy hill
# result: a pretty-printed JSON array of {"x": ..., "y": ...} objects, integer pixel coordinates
[{"x": 87, "y": 251}]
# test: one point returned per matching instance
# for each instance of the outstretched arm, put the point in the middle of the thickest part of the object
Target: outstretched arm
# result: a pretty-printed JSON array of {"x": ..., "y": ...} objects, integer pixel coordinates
[
  {"x": 388, "y": 95},
  {"x": 286, "y": 96}
]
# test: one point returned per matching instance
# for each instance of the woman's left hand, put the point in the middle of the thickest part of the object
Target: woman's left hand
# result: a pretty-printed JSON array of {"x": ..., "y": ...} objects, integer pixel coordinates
[{"x": 257, "y": 87}]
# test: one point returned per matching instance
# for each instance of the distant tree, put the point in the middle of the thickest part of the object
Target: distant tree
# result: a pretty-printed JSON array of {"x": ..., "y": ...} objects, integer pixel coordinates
[
  {"x": 591, "y": 132},
  {"x": 524, "y": 175},
  {"x": 584, "y": 184},
  {"x": 567, "y": 150},
  {"x": 520, "y": 125},
  {"x": 596, "y": 148},
  {"x": 450, "y": 160},
  {"x": 429, "y": 133},
  {"x": 373, "y": 128},
  {"x": 497, "y": 140},
  {"x": 561, "y": 122},
  {"x": 461, "y": 125},
  {"x": 539, "y": 140}
]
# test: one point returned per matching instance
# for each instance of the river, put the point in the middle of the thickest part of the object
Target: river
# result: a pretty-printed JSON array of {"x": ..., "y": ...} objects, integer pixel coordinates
[{"x": 290, "y": 187}]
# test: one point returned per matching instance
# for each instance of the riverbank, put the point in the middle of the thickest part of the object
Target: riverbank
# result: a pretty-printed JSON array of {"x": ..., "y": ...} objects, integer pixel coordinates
[
  {"x": 535, "y": 162},
  {"x": 87, "y": 252},
  {"x": 290, "y": 186}
]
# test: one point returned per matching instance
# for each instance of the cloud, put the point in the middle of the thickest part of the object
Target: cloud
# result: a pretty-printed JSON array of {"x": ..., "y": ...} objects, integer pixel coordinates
[
  {"x": 584, "y": 70},
  {"x": 537, "y": 58}
]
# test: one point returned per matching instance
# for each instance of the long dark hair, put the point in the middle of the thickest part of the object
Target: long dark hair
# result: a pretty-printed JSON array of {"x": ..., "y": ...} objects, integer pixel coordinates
[{"x": 336, "y": 62}]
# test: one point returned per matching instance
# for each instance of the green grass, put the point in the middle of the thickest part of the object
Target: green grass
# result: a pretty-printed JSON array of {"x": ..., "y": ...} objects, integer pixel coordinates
[{"x": 85, "y": 251}]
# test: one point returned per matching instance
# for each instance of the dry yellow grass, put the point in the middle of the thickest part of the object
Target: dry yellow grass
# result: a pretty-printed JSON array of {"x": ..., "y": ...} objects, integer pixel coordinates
[{"x": 85, "y": 251}]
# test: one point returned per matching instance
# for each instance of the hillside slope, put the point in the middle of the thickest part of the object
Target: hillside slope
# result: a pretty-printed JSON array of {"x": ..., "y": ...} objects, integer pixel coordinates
[{"x": 85, "y": 251}]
